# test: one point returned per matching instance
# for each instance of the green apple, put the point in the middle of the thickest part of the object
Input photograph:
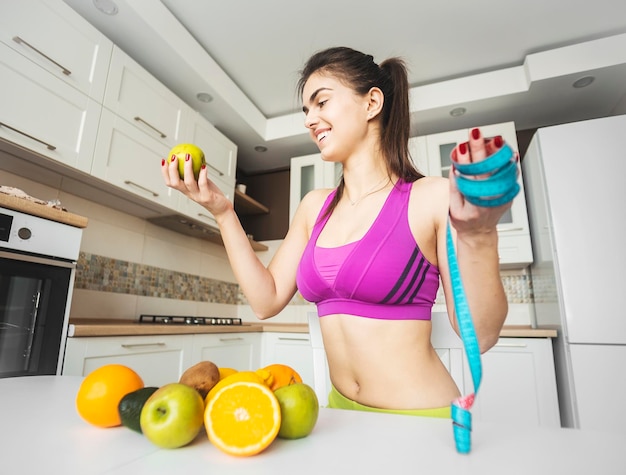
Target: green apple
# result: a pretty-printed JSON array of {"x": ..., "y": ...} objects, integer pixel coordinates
[
  {"x": 173, "y": 416},
  {"x": 197, "y": 158},
  {"x": 299, "y": 408}
]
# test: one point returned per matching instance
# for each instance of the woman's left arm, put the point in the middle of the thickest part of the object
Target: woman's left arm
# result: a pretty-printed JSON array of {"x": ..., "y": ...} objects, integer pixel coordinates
[{"x": 474, "y": 231}]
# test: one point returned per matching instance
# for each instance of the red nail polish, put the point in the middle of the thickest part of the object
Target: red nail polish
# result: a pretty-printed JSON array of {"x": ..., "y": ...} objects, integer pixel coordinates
[
  {"x": 463, "y": 148},
  {"x": 162, "y": 161},
  {"x": 173, "y": 158},
  {"x": 497, "y": 141},
  {"x": 187, "y": 157},
  {"x": 475, "y": 134},
  {"x": 203, "y": 166}
]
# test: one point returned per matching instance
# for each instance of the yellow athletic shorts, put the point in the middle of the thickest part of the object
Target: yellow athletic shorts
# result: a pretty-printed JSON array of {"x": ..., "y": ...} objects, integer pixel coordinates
[{"x": 336, "y": 400}]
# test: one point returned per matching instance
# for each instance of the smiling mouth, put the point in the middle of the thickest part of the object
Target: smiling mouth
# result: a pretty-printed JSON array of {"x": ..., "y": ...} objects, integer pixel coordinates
[{"x": 322, "y": 136}]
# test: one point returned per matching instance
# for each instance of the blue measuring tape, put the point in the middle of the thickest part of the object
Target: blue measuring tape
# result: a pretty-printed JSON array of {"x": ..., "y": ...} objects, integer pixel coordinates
[{"x": 497, "y": 187}]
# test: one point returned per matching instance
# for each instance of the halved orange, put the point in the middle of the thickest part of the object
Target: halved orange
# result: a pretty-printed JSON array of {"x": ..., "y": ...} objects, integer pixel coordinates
[{"x": 243, "y": 418}]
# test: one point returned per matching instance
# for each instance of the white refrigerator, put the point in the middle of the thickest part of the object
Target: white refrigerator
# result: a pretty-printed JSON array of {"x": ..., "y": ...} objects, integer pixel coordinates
[{"x": 575, "y": 184}]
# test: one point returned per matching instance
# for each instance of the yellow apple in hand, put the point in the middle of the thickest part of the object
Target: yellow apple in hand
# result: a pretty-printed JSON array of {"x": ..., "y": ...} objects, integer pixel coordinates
[{"x": 197, "y": 158}]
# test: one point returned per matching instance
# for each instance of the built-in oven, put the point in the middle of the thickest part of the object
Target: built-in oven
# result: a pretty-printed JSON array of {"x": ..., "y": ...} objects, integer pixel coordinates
[{"x": 37, "y": 270}]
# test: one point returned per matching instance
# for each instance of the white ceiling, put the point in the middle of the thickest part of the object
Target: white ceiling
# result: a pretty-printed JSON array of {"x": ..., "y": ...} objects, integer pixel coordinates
[{"x": 501, "y": 60}]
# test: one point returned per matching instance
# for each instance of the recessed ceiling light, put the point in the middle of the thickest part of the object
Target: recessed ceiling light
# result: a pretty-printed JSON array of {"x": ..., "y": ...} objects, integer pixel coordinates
[
  {"x": 583, "y": 82},
  {"x": 107, "y": 7},
  {"x": 204, "y": 97},
  {"x": 260, "y": 148},
  {"x": 458, "y": 111}
]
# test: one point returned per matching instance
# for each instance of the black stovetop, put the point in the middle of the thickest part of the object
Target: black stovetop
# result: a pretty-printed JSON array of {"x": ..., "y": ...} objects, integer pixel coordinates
[{"x": 187, "y": 320}]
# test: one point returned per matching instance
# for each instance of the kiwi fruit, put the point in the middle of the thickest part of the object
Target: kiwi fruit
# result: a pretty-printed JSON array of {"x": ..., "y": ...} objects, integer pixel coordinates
[{"x": 202, "y": 377}]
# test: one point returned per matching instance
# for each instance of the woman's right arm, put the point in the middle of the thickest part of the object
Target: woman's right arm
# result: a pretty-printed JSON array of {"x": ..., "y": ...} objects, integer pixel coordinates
[{"x": 268, "y": 290}]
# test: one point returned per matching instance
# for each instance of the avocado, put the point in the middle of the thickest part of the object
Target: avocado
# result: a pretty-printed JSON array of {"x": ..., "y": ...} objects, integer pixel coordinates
[{"x": 130, "y": 407}]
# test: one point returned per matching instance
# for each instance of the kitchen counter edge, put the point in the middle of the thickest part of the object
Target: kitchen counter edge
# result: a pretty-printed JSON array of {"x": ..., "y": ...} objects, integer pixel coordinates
[{"x": 89, "y": 327}]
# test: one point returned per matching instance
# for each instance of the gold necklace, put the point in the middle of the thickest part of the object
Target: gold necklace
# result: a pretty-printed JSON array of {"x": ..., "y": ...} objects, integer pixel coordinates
[{"x": 370, "y": 192}]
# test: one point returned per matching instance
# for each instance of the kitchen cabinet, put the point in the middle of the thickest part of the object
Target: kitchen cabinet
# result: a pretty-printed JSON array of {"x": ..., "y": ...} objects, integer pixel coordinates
[
  {"x": 161, "y": 359},
  {"x": 158, "y": 359},
  {"x": 292, "y": 349},
  {"x": 221, "y": 160},
  {"x": 135, "y": 95},
  {"x": 514, "y": 245},
  {"x": 418, "y": 153},
  {"x": 55, "y": 38},
  {"x": 307, "y": 173},
  {"x": 45, "y": 114},
  {"x": 220, "y": 153},
  {"x": 519, "y": 384},
  {"x": 241, "y": 351},
  {"x": 130, "y": 159}
]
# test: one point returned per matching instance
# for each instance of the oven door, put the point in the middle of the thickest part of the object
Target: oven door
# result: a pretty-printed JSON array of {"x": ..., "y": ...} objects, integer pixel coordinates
[{"x": 34, "y": 294}]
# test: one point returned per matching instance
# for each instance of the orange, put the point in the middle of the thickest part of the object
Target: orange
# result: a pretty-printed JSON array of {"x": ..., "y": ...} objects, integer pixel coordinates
[
  {"x": 282, "y": 375},
  {"x": 226, "y": 372},
  {"x": 243, "y": 418},
  {"x": 247, "y": 376},
  {"x": 102, "y": 390}
]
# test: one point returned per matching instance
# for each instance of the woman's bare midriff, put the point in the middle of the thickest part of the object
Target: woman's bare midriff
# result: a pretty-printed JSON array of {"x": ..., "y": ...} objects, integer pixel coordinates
[{"x": 386, "y": 364}]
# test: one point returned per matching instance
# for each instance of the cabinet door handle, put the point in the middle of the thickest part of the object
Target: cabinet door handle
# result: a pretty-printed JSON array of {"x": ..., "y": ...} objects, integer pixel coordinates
[
  {"x": 139, "y": 119},
  {"x": 511, "y": 345},
  {"x": 286, "y": 338},
  {"x": 20, "y": 41},
  {"x": 219, "y": 172},
  {"x": 236, "y": 338},
  {"x": 130, "y": 346},
  {"x": 48, "y": 146},
  {"x": 143, "y": 188}
]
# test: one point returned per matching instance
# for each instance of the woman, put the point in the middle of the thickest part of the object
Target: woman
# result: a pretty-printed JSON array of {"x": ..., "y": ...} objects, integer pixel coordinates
[{"x": 371, "y": 252}]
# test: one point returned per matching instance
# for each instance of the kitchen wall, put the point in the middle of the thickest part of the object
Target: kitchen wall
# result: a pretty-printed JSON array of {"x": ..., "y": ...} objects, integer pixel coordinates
[{"x": 128, "y": 266}]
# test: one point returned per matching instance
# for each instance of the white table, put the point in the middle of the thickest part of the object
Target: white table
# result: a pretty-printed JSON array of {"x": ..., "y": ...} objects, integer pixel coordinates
[{"x": 40, "y": 432}]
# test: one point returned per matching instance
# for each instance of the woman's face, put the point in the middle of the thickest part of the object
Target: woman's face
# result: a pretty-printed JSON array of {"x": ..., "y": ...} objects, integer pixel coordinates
[{"x": 335, "y": 115}]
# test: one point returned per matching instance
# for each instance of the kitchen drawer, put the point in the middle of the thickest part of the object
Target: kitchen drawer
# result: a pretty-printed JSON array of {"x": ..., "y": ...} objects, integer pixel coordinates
[
  {"x": 138, "y": 97},
  {"x": 158, "y": 359},
  {"x": 44, "y": 114},
  {"x": 241, "y": 351},
  {"x": 56, "y": 38}
]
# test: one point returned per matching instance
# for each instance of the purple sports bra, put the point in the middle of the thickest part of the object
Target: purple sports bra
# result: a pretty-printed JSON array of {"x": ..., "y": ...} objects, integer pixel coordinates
[{"x": 384, "y": 275}]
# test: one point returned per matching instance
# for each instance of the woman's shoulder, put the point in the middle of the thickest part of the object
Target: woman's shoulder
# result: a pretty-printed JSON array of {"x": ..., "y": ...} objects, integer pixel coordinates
[
  {"x": 432, "y": 192},
  {"x": 311, "y": 204},
  {"x": 429, "y": 184}
]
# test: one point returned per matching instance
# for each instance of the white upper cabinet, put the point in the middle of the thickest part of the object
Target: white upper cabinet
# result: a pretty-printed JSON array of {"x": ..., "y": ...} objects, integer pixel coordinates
[
  {"x": 220, "y": 153},
  {"x": 53, "y": 36},
  {"x": 418, "y": 153},
  {"x": 514, "y": 233},
  {"x": 130, "y": 159},
  {"x": 307, "y": 173},
  {"x": 44, "y": 114},
  {"x": 138, "y": 97}
]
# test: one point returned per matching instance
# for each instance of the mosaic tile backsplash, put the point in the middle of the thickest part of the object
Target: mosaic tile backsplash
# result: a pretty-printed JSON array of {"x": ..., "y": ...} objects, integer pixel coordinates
[{"x": 105, "y": 274}]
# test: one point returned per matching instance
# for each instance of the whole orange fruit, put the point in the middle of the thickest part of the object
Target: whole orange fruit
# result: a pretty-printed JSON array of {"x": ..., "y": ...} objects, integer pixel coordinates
[
  {"x": 282, "y": 375},
  {"x": 102, "y": 390}
]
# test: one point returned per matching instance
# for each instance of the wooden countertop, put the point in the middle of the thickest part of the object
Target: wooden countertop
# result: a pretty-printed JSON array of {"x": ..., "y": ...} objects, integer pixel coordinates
[
  {"x": 101, "y": 327},
  {"x": 98, "y": 327},
  {"x": 41, "y": 210}
]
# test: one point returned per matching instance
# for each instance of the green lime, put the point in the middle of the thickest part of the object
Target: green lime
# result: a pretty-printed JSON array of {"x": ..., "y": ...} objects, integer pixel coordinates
[{"x": 130, "y": 407}]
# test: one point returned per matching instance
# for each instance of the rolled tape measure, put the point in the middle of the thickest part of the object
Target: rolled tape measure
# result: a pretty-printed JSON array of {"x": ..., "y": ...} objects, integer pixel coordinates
[{"x": 491, "y": 182}]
